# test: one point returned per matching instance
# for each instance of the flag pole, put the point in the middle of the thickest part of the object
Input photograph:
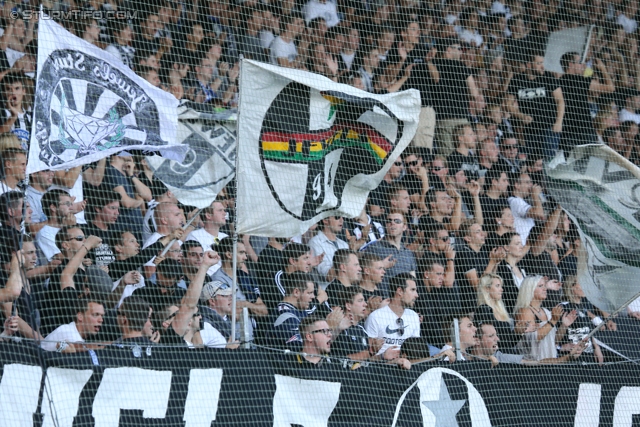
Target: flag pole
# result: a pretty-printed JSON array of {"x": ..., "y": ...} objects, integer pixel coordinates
[
  {"x": 234, "y": 285},
  {"x": 611, "y": 316}
]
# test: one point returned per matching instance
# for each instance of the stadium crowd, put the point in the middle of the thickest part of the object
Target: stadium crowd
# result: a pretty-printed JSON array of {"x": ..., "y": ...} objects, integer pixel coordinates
[{"x": 460, "y": 230}]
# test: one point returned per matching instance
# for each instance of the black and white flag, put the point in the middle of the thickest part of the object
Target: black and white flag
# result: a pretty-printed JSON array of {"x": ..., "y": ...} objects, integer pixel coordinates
[
  {"x": 600, "y": 190},
  {"x": 309, "y": 148},
  {"x": 210, "y": 160},
  {"x": 88, "y": 106}
]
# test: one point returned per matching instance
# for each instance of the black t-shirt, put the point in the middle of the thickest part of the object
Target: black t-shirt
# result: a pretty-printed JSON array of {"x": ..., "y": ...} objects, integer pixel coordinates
[
  {"x": 492, "y": 208},
  {"x": 421, "y": 80},
  {"x": 170, "y": 337},
  {"x": 577, "y": 121},
  {"x": 427, "y": 223},
  {"x": 269, "y": 263},
  {"x": 58, "y": 307},
  {"x": 434, "y": 307},
  {"x": 535, "y": 99},
  {"x": 467, "y": 260},
  {"x": 9, "y": 243},
  {"x": 158, "y": 300},
  {"x": 412, "y": 183},
  {"x": 379, "y": 292},
  {"x": 418, "y": 55},
  {"x": 334, "y": 291},
  {"x": 380, "y": 196},
  {"x": 582, "y": 326},
  {"x": 350, "y": 341},
  {"x": 541, "y": 265},
  {"x": 508, "y": 338},
  {"x": 103, "y": 254},
  {"x": 469, "y": 164},
  {"x": 451, "y": 94}
]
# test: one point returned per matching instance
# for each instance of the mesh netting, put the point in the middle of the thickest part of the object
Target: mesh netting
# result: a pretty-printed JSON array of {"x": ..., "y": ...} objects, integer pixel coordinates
[{"x": 319, "y": 213}]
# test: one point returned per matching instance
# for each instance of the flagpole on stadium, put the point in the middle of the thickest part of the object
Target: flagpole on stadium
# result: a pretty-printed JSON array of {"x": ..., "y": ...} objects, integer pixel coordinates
[{"x": 234, "y": 286}]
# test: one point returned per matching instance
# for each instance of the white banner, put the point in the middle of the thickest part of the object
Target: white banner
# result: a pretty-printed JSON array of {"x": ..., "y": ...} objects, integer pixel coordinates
[
  {"x": 88, "y": 106},
  {"x": 309, "y": 148},
  {"x": 210, "y": 160},
  {"x": 600, "y": 190}
]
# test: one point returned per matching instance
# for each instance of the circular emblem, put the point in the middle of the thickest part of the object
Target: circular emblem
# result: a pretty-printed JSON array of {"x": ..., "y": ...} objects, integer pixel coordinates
[{"x": 313, "y": 143}]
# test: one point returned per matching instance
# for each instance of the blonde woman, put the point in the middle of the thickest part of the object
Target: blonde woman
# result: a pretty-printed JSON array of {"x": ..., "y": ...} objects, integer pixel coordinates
[
  {"x": 491, "y": 309},
  {"x": 540, "y": 328}
]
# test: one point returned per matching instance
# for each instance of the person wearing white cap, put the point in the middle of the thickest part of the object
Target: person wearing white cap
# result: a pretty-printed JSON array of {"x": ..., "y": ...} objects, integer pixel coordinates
[{"x": 215, "y": 307}]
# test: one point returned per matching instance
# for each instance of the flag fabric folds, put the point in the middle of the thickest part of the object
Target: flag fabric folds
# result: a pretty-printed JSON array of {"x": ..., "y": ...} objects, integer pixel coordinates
[
  {"x": 210, "y": 160},
  {"x": 309, "y": 148},
  {"x": 88, "y": 106},
  {"x": 600, "y": 191}
]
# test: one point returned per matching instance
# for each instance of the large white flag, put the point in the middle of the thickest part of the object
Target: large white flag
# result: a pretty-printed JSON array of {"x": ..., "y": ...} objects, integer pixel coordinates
[
  {"x": 600, "y": 190},
  {"x": 309, "y": 148},
  {"x": 88, "y": 106},
  {"x": 210, "y": 162}
]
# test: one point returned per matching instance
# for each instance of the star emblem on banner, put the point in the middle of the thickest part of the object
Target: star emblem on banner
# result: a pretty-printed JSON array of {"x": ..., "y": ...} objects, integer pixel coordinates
[{"x": 444, "y": 409}]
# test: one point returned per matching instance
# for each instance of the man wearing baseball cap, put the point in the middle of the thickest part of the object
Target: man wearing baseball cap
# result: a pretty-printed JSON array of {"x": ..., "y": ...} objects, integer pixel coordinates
[{"x": 215, "y": 306}]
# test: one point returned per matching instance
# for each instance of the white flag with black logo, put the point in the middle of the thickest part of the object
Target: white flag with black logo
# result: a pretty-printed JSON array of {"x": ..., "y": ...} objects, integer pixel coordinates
[
  {"x": 600, "y": 190},
  {"x": 88, "y": 106},
  {"x": 309, "y": 148},
  {"x": 210, "y": 161}
]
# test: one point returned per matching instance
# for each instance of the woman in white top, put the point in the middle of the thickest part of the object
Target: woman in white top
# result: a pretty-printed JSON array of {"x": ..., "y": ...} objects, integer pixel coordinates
[{"x": 539, "y": 327}]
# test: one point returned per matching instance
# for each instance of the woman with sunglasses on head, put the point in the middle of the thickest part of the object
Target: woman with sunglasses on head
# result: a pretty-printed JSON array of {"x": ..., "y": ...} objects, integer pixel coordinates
[{"x": 540, "y": 328}]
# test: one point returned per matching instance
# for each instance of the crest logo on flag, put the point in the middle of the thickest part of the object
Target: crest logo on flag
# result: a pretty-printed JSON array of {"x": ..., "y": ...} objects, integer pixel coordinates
[
  {"x": 321, "y": 140},
  {"x": 85, "y": 106}
]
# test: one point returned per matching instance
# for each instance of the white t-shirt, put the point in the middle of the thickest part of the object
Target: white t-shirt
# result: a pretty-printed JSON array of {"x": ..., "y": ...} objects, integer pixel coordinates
[
  {"x": 67, "y": 333},
  {"x": 521, "y": 223},
  {"x": 383, "y": 323},
  {"x": 211, "y": 337},
  {"x": 327, "y": 11},
  {"x": 46, "y": 240},
  {"x": 282, "y": 49},
  {"x": 4, "y": 188},
  {"x": 626, "y": 115},
  {"x": 206, "y": 240}
]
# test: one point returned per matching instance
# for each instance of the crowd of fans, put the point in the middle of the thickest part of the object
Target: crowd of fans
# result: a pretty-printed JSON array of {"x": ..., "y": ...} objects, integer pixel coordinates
[{"x": 460, "y": 230}]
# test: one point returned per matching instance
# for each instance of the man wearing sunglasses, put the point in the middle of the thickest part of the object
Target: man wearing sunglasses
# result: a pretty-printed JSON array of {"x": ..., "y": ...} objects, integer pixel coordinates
[{"x": 401, "y": 259}]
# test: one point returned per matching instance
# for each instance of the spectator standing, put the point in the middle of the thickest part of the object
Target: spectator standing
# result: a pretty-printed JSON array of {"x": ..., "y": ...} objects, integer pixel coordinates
[
  {"x": 120, "y": 177},
  {"x": 491, "y": 309},
  {"x": 524, "y": 214},
  {"x": 106, "y": 209},
  {"x": 451, "y": 95},
  {"x": 39, "y": 183},
  {"x": 283, "y": 49},
  {"x": 535, "y": 98},
  {"x": 348, "y": 273},
  {"x": 57, "y": 205},
  {"x": 70, "y": 338},
  {"x": 327, "y": 242}
]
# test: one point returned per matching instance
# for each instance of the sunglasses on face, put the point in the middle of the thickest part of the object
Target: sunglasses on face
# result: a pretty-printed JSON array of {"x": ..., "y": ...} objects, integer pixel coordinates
[
  {"x": 77, "y": 238},
  {"x": 438, "y": 168},
  {"x": 394, "y": 221},
  {"x": 412, "y": 163},
  {"x": 400, "y": 324}
]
